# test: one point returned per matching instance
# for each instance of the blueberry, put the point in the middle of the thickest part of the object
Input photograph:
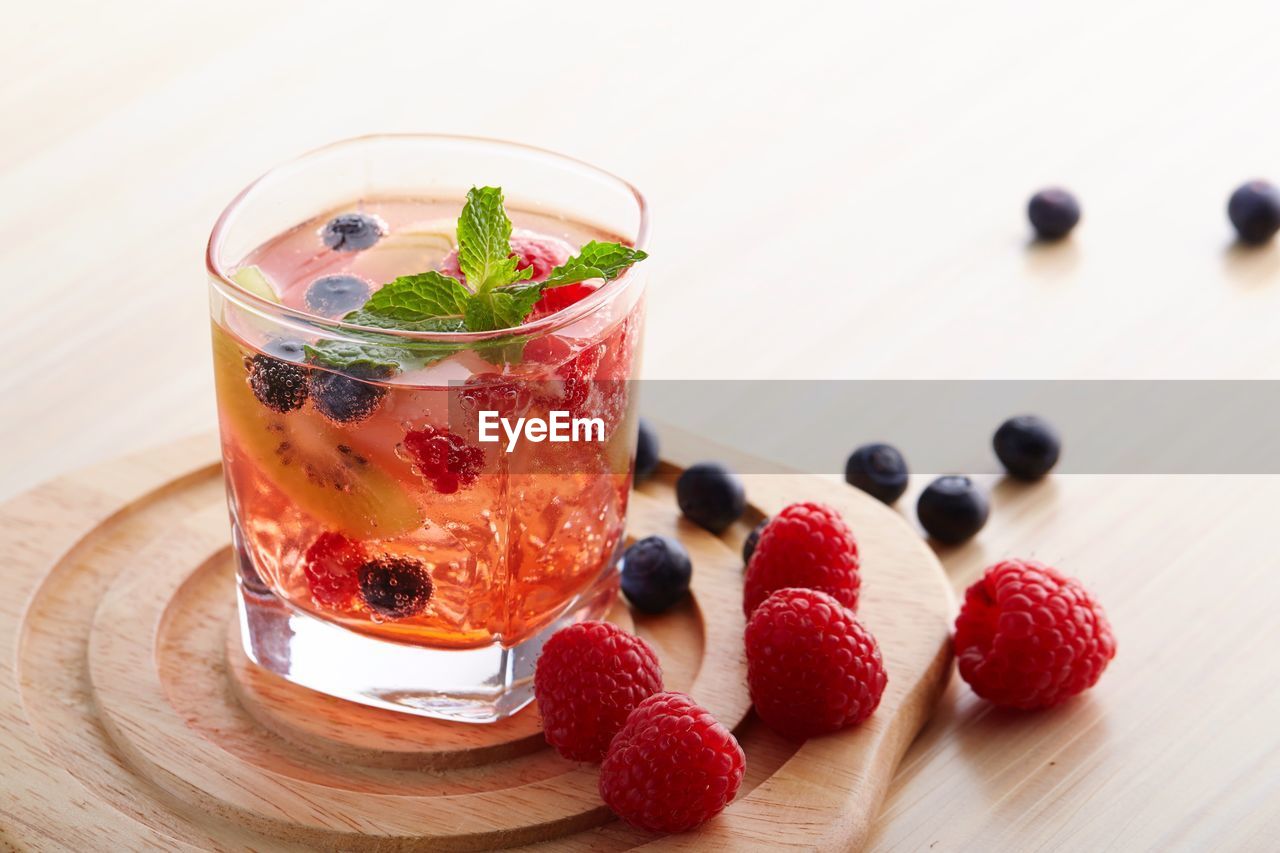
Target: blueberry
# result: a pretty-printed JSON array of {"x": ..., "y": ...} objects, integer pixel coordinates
[
  {"x": 335, "y": 295},
  {"x": 1053, "y": 213},
  {"x": 285, "y": 349},
  {"x": 1028, "y": 447},
  {"x": 753, "y": 539},
  {"x": 951, "y": 509},
  {"x": 344, "y": 399},
  {"x": 710, "y": 496},
  {"x": 395, "y": 587},
  {"x": 278, "y": 385},
  {"x": 879, "y": 470},
  {"x": 655, "y": 573},
  {"x": 1254, "y": 210},
  {"x": 646, "y": 452},
  {"x": 351, "y": 232}
]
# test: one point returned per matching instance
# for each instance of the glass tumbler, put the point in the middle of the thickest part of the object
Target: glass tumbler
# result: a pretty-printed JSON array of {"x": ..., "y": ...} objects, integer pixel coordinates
[{"x": 389, "y": 551}]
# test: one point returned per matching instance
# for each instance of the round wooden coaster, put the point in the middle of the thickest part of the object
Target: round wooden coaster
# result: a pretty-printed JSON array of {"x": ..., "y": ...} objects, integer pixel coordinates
[
  {"x": 375, "y": 737},
  {"x": 130, "y": 681}
]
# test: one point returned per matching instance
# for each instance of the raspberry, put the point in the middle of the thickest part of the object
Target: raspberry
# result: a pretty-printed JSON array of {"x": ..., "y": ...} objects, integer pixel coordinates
[
  {"x": 549, "y": 349},
  {"x": 331, "y": 565},
  {"x": 588, "y": 678},
  {"x": 543, "y": 254},
  {"x": 812, "y": 668},
  {"x": 494, "y": 393},
  {"x": 395, "y": 587},
  {"x": 584, "y": 392},
  {"x": 578, "y": 377},
  {"x": 444, "y": 459},
  {"x": 672, "y": 767},
  {"x": 806, "y": 545},
  {"x": 1028, "y": 637},
  {"x": 559, "y": 298}
]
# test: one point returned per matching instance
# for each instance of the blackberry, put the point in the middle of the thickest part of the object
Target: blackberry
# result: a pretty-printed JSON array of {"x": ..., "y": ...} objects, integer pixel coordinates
[
  {"x": 656, "y": 573},
  {"x": 1254, "y": 210},
  {"x": 879, "y": 470},
  {"x": 342, "y": 398},
  {"x": 278, "y": 385},
  {"x": 1053, "y": 213},
  {"x": 1027, "y": 446},
  {"x": 646, "y": 452},
  {"x": 710, "y": 496},
  {"x": 351, "y": 232},
  {"x": 395, "y": 587},
  {"x": 951, "y": 509},
  {"x": 335, "y": 295}
]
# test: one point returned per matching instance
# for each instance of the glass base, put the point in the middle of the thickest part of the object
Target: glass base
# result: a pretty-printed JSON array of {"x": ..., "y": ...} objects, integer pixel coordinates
[{"x": 481, "y": 685}]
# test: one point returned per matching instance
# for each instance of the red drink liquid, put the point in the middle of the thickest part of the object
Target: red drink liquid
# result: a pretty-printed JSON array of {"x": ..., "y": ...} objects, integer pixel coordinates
[{"x": 509, "y": 541}]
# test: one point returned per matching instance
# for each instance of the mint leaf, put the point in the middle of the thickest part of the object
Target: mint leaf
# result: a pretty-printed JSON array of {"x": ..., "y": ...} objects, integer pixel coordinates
[
  {"x": 361, "y": 317},
  {"x": 377, "y": 360},
  {"x": 595, "y": 260},
  {"x": 365, "y": 361},
  {"x": 501, "y": 309},
  {"x": 417, "y": 297},
  {"x": 484, "y": 242}
]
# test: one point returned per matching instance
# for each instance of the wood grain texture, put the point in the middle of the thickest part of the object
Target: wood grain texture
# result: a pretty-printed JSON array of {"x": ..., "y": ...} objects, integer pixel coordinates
[
  {"x": 176, "y": 731},
  {"x": 902, "y": 136},
  {"x": 906, "y": 137}
]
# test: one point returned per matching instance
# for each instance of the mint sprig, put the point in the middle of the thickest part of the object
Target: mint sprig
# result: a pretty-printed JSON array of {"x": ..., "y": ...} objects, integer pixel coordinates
[
  {"x": 417, "y": 297},
  {"x": 595, "y": 260},
  {"x": 484, "y": 242},
  {"x": 497, "y": 294}
]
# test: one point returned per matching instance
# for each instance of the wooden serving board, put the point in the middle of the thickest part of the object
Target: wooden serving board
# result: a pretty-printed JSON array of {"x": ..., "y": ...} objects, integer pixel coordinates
[{"x": 130, "y": 718}]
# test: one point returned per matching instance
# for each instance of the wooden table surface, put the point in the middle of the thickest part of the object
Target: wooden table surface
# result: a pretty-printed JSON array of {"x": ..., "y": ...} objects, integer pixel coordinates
[{"x": 838, "y": 193}]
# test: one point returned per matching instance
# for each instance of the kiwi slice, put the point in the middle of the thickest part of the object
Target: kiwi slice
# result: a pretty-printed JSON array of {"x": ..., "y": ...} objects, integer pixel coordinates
[{"x": 307, "y": 459}]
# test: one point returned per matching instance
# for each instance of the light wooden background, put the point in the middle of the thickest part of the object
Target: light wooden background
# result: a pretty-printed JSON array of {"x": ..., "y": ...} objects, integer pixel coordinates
[{"x": 838, "y": 192}]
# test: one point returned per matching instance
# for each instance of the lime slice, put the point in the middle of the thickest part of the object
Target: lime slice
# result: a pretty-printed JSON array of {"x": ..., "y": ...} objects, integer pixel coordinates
[
  {"x": 254, "y": 280},
  {"x": 435, "y": 234}
]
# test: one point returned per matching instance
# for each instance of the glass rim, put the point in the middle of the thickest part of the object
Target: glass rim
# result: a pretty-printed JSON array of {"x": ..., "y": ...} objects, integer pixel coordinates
[{"x": 257, "y": 304}]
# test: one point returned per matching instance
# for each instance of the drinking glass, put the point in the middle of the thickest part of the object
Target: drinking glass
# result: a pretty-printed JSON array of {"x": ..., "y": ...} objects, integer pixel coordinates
[{"x": 386, "y": 555}]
